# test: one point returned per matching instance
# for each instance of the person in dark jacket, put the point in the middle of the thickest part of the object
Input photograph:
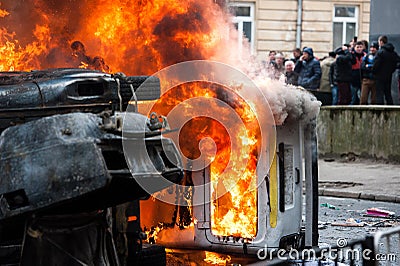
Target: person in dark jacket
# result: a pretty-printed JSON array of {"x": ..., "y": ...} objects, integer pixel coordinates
[
  {"x": 398, "y": 78},
  {"x": 333, "y": 84},
  {"x": 368, "y": 86},
  {"x": 309, "y": 70},
  {"x": 385, "y": 64},
  {"x": 357, "y": 56},
  {"x": 296, "y": 55},
  {"x": 340, "y": 75}
]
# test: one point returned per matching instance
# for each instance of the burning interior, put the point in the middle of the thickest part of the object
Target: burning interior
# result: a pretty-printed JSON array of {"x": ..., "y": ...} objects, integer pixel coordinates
[
  {"x": 231, "y": 151},
  {"x": 254, "y": 182}
]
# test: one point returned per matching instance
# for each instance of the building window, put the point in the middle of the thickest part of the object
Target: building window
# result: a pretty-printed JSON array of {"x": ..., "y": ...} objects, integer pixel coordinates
[
  {"x": 243, "y": 19},
  {"x": 345, "y": 24}
]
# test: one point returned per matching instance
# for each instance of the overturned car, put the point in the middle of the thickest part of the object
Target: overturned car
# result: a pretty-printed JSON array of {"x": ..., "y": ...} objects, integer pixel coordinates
[{"x": 63, "y": 165}]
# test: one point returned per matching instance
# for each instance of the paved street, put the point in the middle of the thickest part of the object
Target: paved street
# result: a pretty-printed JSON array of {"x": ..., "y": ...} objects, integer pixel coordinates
[
  {"x": 341, "y": 210},
  {"x": 363, "y": 179},
  {"x": 353, "y": 187}
]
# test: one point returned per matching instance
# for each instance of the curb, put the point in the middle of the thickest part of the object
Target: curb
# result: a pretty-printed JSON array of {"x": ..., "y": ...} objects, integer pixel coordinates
[{"x": 358, "y": 195}]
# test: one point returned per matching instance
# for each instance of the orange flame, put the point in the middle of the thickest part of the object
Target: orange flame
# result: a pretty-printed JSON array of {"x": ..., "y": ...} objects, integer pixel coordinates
[
  {"x": 134, "y": 37},
  {"x": 233, "y": 172},
  {"x": 3, "y": 13},
  {"x": 140, "y": 38},
  {"x": 216, "y": 259}
]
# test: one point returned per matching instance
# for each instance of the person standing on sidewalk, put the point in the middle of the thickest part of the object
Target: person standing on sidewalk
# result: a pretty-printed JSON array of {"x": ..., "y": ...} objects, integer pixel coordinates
[
  {"x": 385, "y": 64},
  {"x": 296, "y": 55},
  {"x": 309, "y": 70},
  {"x": 365, "y": 46},
  {"x": 368, "y": 82},
  {"x": 291, "y": 76},
  {"x": 333, "y": 84},
  {"x": 398, "y": 78},
  {"x": 340, "y": 75},
  {"x": 278, "y": 68},
  {"x": 358, "y": 54},
  {"x": 325, "y": 67}
]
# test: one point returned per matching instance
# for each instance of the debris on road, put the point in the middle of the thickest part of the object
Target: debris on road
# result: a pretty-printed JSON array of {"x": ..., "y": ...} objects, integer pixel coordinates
[
  {"x": 381, "y": 224},
  {"x": 351, "y": 222},
  {"x": 322, "y": 225},
  {"x": 376, "y": 212},
  {"x": 330, "y": 206}
]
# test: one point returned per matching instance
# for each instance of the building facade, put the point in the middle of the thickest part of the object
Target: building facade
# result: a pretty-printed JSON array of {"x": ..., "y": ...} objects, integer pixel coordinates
[{"x": 283, "y": 25}]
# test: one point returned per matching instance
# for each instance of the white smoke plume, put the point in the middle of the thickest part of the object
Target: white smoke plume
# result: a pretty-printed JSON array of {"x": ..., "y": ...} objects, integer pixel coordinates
[{"x": 286, "y": 101}]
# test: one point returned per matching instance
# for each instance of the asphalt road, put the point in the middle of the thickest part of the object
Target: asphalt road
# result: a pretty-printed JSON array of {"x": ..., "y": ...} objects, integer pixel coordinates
[
  {"x": 338, "y": 210},
  {"x": 361, "y": 179},
  {"x": 351, "y": 209}
]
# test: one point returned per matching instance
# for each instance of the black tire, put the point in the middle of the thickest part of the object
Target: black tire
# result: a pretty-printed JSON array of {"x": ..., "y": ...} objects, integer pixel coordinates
[{"x": 150, "y": 255}]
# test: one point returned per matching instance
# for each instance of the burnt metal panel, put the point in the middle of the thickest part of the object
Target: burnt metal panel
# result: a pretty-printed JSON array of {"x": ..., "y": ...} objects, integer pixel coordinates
[
  {"x": 55, "y": 87},
  {"x": 69, "y": 160},
  {"x": 20, "y": 95},
  {"x": 51, "y": 160}
]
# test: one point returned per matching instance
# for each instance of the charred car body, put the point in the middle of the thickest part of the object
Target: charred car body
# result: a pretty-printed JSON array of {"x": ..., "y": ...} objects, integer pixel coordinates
[{"x": 62, "y": 165}]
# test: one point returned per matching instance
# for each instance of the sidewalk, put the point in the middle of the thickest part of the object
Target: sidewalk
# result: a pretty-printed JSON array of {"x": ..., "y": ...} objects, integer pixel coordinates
[{"x": 361, "y": 179}]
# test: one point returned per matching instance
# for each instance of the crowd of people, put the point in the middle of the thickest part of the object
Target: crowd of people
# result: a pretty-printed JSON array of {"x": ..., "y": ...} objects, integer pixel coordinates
[{"x": 355, "y": 73}]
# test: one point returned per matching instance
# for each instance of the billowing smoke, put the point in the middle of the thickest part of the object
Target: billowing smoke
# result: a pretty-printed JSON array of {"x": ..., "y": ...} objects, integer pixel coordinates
[{"x": 288, "y": 101}]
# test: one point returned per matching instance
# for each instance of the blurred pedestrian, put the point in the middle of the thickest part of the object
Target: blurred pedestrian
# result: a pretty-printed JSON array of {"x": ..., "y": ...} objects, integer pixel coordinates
[
  {"x": 271, "y": 57},
  {"x": 398, "y": 77},
  {"x": 278, "y": 67},
  {"x": 365, "y": 46},
  {"x": 352, "y": 43},
  {"x": 291, "y": 76},
  {"x": 383, "y": 39},
  {"x": 358, "y": 54},
  {"x": 270, "y": 64},
  {"x": 325, "y": 67},
  {"x": 296, "y": 55},
  {"x": 309, "y": 70},
  {"x": 340, "y": 75},
  {"x": 333, "y": 84},
  {"x": 368, "y": 86},
  {"x": 385, "y": 64}
]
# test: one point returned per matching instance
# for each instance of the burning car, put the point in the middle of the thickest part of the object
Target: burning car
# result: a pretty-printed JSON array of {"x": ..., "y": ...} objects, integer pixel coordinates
[
  {"x": 143, "y": 37},
  {"x": 249, "y": 199},
  {"x": 62, "y": 162},
  {"x": 273, "y": 222}
]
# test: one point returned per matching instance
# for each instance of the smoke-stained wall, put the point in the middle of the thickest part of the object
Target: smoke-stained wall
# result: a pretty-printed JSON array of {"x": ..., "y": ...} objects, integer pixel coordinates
[
  {"x": 343, "y": 130},
  {"x": 384, "y": 21}
]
